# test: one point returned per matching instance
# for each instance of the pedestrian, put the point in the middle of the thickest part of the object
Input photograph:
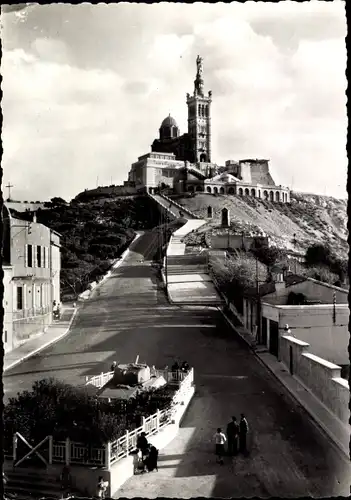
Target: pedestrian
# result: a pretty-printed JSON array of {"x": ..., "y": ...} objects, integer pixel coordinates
[
  {"x": 233, "y": 436},
  {"x": 243, "y": 430},
  {"x": 102, "y": 487},
  {"x": 220, "y": 440},
  {"x": 143, "y": 444},
  {"x": 175, "y": 370},
  {"x": 113, "y": 366},
  {"x": 65, "y": 479},
  {"x": 185, "y": 367},
  {"x": 151, "y": 460}
]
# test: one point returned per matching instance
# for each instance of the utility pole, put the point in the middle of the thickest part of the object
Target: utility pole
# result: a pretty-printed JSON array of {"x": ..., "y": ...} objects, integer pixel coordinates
[
  {"x": 258, "y": 305},
  {"x": 9, "y": 186}
]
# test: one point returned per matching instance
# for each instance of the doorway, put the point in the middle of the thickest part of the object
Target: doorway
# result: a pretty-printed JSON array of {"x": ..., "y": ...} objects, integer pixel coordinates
[
  {"x": 264, "y": 331},
  {"x": 274, "y": 338},
  {"x": 225, "y": 218}
]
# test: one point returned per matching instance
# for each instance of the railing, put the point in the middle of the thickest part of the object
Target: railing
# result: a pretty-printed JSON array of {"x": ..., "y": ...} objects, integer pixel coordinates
[
  {"x": 179, "y": 206},
  {"x": 128, "y": 443},
  {"x": 30, "y": 313},
  {"x": 170, "y": 376},
  {"x": 70, "y": 452},
  {"x": 99, "y": 380}
]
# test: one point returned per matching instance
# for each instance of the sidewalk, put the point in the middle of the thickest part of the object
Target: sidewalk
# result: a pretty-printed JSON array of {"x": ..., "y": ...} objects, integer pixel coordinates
[
  {"x": 336, "y": 430},
  {"x": 56, "y": 331}
]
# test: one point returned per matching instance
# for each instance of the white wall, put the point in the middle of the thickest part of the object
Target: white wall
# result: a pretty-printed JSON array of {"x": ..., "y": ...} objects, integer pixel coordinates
[
  {"x": 313, "y": 290},
  {"x": 314, "y": 324}
]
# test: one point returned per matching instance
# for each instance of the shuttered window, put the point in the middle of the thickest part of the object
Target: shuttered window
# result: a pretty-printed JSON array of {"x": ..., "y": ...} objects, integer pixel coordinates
[
  {"x": 19, "y": 298},
  {"x": 29, "y": 255}
]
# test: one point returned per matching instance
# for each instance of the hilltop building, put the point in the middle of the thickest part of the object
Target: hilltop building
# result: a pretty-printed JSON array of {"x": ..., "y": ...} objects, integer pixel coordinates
[
  {"x": 184, "y": 163},
  {"x": 31, "y": 264}
]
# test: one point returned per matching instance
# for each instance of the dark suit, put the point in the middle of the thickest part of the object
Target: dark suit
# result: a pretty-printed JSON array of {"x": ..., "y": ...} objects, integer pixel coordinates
[{"x": 232, "y": 434}]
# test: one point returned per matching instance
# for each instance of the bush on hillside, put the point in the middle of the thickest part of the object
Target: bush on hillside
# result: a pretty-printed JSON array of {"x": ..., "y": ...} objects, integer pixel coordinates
[
  {"x": 55, "y": 408},
  {"x": 268, "y": 255},
  {"x": 235, "y": 276},
  {"x": 322, "y": 273},
  {"x": 319, "y": 255}
]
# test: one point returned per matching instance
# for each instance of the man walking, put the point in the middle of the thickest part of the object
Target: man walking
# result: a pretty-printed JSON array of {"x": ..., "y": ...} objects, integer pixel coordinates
[
  {"x": 220, "y": 439},
  {"x": 233, "y": 435},
  {"x": 243, "y": 430}
]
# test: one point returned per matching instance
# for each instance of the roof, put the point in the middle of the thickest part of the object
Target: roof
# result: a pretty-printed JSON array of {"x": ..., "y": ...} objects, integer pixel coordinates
[
  {"x": 224, "y": 177},
  {"x": 169, "y": 122},
  {"x": 269, "y": 287}
]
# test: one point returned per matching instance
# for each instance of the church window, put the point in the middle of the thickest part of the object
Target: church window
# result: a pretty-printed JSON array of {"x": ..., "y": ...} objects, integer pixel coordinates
[{"x": 206, "y": 111}]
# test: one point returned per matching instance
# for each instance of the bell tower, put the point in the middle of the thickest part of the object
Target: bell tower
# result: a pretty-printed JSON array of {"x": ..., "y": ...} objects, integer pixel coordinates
[{"x": 199, "y": 118}]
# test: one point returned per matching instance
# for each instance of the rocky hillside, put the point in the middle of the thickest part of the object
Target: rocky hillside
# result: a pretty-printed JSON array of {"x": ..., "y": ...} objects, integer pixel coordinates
[{"x": 294, "y": 226}]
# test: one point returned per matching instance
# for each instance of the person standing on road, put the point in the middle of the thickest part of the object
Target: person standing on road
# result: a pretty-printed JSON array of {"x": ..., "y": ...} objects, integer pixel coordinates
[
  {"x": 220, "y": 440},
  {"x": 243, "y": 430},
  {"x": 113, "y": 366},
  {"x": 233, "y": 436}
]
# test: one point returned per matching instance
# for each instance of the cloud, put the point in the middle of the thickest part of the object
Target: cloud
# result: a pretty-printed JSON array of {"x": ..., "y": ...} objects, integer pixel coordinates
[{"x": 86, "y": 88}]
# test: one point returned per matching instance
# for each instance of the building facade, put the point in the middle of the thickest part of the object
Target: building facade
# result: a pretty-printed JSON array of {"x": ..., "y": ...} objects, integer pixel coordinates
[
  {"x": 7, "y": 331},
  {"x": 184, "y": 162},
  {"x": 321, "y": 318},
  {"x": 33, "y": 252}
]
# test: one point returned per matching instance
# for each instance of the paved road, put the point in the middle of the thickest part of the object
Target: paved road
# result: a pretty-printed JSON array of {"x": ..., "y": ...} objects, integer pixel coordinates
[{"x": 289, "y": 456}]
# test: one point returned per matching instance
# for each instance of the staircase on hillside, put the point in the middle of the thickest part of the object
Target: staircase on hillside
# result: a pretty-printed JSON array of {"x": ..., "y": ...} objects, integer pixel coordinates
[{"x": 34, "y": 483}]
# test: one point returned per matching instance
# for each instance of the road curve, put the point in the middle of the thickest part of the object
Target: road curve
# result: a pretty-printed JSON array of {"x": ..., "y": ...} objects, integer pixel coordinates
[{"x": 129, "y": 315}]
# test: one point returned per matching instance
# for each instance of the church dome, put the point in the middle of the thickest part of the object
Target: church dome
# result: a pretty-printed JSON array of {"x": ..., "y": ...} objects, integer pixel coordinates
[
  {"x": 169, "y": 122},
  {"x": 169, "y": 128}
]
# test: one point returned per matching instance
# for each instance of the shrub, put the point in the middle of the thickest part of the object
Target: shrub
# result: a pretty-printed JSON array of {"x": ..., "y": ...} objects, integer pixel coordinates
[
  {"x": 55, "y": 408},
  {"x": 321, "y": 273},
  {"x": 235, "y": 276}
]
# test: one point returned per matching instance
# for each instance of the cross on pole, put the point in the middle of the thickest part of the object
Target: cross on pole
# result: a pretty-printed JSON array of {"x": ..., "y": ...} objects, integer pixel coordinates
[{"x": 9, "y": 186}]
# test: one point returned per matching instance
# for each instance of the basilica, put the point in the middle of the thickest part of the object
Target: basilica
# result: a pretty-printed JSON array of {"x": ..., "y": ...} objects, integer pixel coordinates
[{"x": 183, "y": 163}]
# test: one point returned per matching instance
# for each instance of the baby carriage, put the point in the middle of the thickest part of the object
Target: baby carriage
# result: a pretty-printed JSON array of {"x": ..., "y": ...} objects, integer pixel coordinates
[{"x": 139, "y": 463}]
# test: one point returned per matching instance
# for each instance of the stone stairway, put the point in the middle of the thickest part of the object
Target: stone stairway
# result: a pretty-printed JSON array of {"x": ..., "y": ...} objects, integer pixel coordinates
[{"x": 34, "y": 483}]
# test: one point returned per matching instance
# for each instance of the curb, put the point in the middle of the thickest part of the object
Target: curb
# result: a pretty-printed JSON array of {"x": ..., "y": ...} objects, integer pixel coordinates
[
  {"x": 312, "y": 415},
  {"x": 42, "y": 347},
  {"x": 115, "y": 265}
]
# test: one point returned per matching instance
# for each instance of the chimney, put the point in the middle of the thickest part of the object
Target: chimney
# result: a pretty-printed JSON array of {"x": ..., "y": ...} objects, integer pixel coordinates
[
  {"x": 279, "y": 282},
  {"x": 34, "y": 217}
]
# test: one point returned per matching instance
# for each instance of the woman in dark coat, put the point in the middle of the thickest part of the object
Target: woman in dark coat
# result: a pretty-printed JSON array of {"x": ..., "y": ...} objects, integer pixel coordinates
[
  {"x": 151, "y": 461},
  {"x": 143, "y": 444}
]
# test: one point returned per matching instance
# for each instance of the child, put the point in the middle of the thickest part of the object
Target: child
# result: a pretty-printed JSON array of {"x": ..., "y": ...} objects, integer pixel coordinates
[
  {"x": 102, "y": 487},
  {"x": 220, "y": 439}
]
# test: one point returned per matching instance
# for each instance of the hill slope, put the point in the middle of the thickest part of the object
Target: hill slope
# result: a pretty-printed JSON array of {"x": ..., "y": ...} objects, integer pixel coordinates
[{"x": 294, "y": 226}]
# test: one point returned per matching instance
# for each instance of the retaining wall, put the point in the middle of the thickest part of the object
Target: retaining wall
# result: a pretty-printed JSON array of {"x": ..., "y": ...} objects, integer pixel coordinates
[{"x": 319, "y": 376}]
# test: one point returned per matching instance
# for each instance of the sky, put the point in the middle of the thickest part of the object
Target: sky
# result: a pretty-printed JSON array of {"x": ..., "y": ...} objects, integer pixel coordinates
[{"x": 86, "y": 87}]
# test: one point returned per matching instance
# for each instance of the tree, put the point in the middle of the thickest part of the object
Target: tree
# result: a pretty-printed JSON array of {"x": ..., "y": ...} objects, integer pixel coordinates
[
  {"x": 56, "y": 201},
  {"x": 238, "y": 275},
  {"x": 318, "y": 254},
  {"x": 266, "y": 254},
  {"x": 322, "y": 273}
]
